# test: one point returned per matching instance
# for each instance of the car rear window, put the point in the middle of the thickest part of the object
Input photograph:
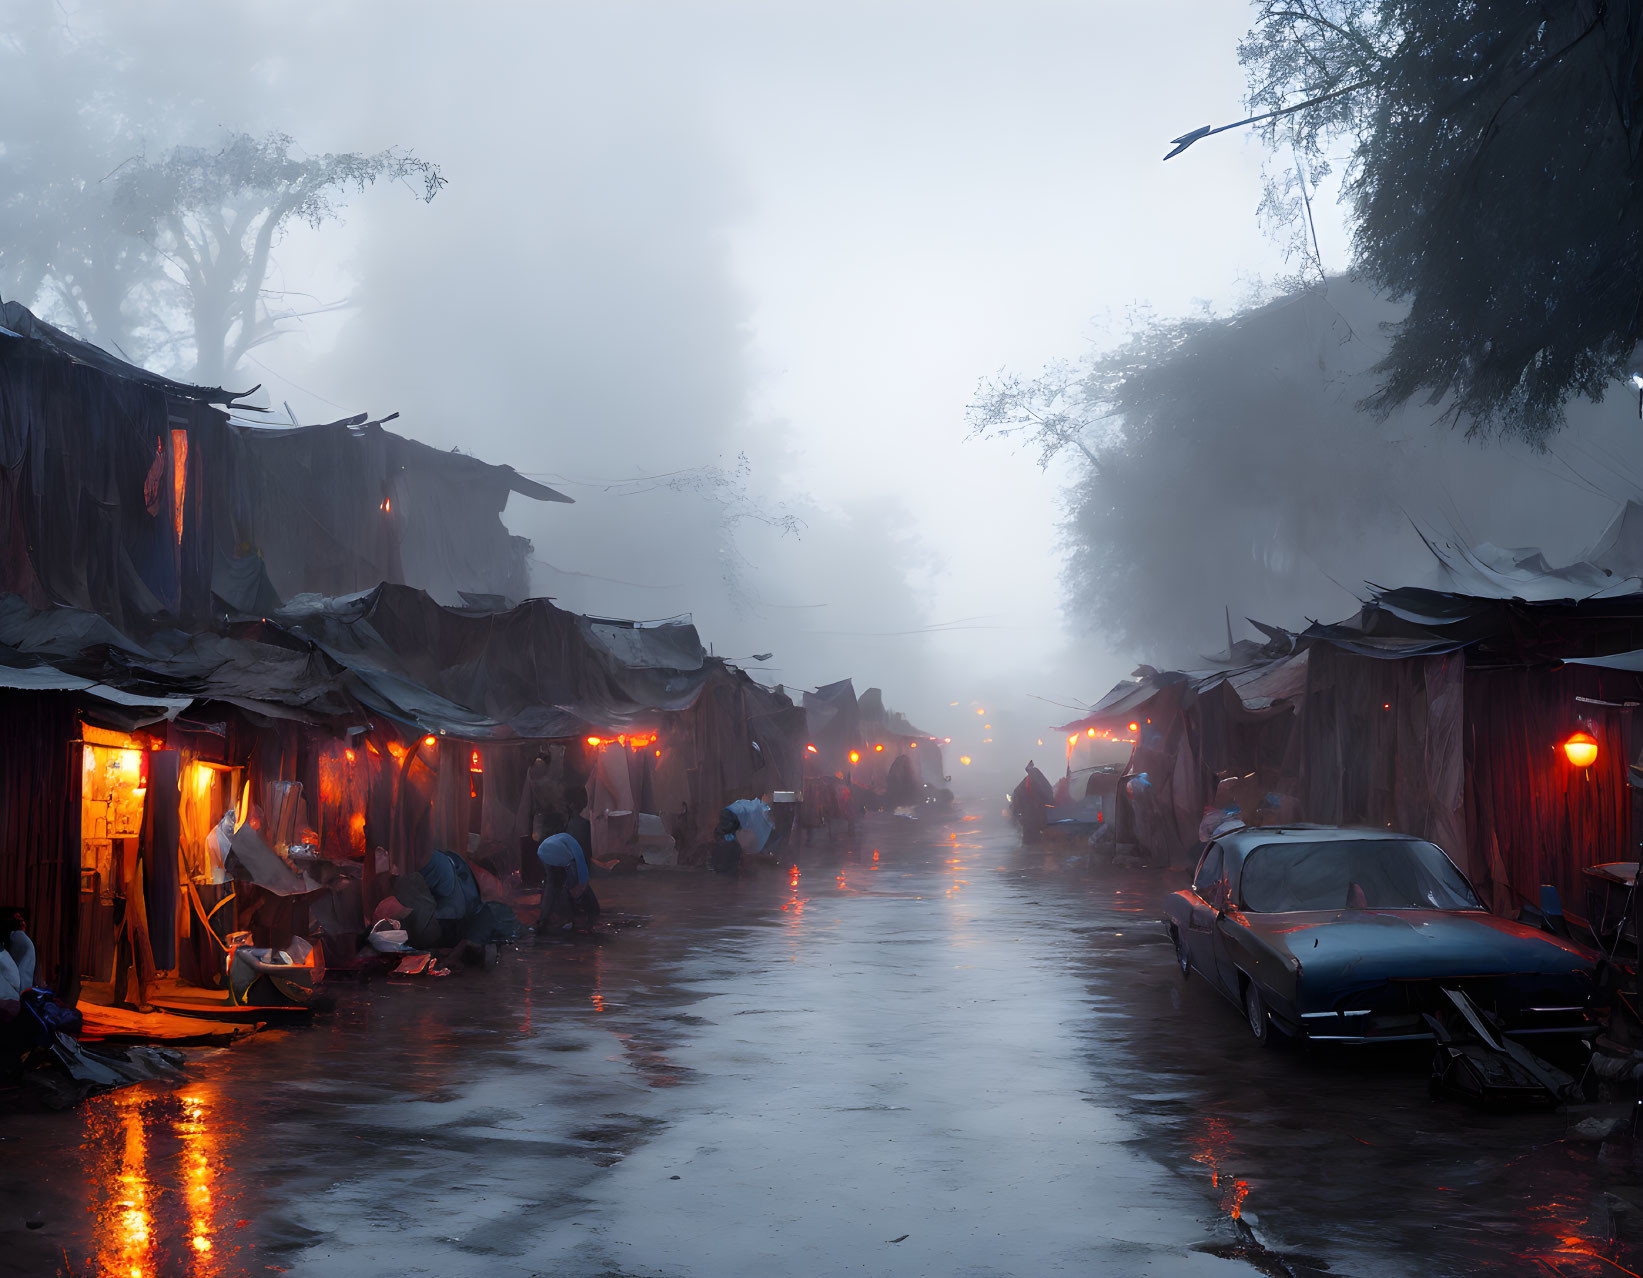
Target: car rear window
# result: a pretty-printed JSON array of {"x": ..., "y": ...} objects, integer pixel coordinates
[{"x": 1375, "y": 874}]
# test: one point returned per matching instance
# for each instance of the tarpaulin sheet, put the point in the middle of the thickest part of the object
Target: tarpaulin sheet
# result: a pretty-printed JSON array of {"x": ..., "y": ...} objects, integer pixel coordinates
[
  {"x": 135, "y": 497},
  {"x": 17, "y": 321},
  {"x": 532, "y": 670},
  {"x": 832, "y": 712},
  {"x": 1619, "y": 548},
  {"x": 1122, "y": 701},
  {"x": 1495, "y": 572},
  {"x": 1632, "y": 660},
  {"x": 1381, "y": 743},
  {"x": 506, "y": 675},
  {"x": 656, "y": 647},
  {"x": 343, "y": 506},
  {"x": 879, "y": 722},
  {"x": 1281, "y": 681}
]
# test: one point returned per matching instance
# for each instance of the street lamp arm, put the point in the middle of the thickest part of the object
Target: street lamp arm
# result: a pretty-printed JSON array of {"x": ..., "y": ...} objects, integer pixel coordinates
[{"x": 1187, "y": 139}]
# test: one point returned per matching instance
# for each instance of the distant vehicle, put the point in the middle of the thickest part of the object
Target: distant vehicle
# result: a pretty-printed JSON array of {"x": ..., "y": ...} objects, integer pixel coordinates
[{"x": 1349, "y": 936}]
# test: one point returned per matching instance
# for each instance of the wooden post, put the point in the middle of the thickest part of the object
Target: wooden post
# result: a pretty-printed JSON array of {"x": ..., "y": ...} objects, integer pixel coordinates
[
  {"x": 136, "y": 924},
  {"x": 68, "y": 955},
  {"x": 397, "y": 828},
  {"x": 162, "y": 879}
]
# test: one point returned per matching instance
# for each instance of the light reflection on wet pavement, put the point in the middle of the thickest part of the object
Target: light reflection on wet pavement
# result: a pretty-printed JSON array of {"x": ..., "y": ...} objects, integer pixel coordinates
[{"x": 929, "y": 1053}]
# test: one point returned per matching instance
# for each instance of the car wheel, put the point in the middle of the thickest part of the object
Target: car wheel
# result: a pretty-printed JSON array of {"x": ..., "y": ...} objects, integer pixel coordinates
[
  {"x": 1255, "y": 1012},
  {"x": 1181, "y": 959}
]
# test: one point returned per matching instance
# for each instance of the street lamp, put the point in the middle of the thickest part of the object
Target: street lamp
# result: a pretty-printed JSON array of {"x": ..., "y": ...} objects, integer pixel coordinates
[{"x": 1580, "y": 749}]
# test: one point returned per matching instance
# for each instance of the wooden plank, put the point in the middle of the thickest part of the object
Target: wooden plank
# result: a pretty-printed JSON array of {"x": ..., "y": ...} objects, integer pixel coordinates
[
  {"x": 153, "y": 1027},
  {"x": 207, "y": 1004}
]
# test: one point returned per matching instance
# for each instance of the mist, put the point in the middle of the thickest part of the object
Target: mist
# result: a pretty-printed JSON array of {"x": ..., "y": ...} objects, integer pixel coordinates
[
  {"x": 727, "y": 274},
  {"x": 1237, "y": 475}
]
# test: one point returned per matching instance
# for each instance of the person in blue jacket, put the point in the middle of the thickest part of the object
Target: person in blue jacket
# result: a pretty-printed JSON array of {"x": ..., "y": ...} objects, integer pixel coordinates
[{"x": 565, "y": 874}]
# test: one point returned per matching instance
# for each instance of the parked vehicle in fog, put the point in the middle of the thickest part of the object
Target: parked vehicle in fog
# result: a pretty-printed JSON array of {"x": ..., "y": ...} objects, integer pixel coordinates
[{"x": 1349, "y": 935}]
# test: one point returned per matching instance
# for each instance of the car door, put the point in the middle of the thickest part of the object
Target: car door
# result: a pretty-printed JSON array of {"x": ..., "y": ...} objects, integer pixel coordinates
[
  {"x": 1227, "y": 937},
  {"x": 1206, "y": 884}
]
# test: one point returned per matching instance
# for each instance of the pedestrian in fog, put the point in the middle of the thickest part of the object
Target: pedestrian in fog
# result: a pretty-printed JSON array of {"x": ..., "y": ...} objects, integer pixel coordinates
[{"x": 565, "y": 886}]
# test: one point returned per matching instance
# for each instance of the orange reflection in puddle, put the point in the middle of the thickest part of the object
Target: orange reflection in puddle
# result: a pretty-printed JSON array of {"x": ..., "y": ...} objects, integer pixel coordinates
[
  {"x": 1573, "y": 1246},
  {"x": 1566, "y": 1253},
  {"x": 125, "y": 1226},
  {"x": 154, "y": 1162},
  {"x": 133, "y": 1232},
  {"x": 199, "y": 1157},
  {"x": 1211, "y": 1140},
  {"x": 794, "y": 905}
]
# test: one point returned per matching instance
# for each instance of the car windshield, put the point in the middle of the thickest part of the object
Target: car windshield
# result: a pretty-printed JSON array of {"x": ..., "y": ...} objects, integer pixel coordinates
[{"x": 1362, "y": 874}]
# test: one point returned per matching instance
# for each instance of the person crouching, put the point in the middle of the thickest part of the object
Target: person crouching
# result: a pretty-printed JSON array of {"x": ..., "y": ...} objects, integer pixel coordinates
[{"x": 565, "y": 884}]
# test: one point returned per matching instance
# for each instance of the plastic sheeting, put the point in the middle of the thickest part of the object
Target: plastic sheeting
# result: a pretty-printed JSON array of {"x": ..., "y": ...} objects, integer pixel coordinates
[
  {"x": 876, "y": 719},
  {"x": 134, "y": 497},
  {"x": 670, "y": 646},
  {"x": 531, "y": 671},
  {"x": 341, "y": 507},
  {"x": 1433, "y": 712},
  {"x": 754, "y": 817},
  {"x": 528, "y": 672},
  {"x": 1383, "y": 745}
]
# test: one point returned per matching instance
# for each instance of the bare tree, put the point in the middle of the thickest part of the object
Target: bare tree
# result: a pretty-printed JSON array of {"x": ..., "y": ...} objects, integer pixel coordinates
[
  {"x": 211, "y": 220},
  {"x": 161, "y": 254}
]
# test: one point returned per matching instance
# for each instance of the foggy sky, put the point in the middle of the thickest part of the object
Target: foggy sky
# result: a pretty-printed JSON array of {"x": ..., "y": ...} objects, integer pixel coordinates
[{"x": 677, "y": 233}]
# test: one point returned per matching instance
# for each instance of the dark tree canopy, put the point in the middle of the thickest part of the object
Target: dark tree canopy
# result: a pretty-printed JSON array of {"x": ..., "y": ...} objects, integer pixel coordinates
[{"x": 1495, "y": 157}]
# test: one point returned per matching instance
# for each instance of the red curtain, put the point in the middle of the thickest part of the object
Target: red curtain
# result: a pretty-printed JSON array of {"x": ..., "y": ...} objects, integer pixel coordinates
[
  {"x": 1532, "y": 816},
  {"x": 40, "y": 828}
]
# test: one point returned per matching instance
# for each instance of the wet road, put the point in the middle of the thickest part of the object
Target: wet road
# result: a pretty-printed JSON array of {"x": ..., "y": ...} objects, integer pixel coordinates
[{"x": 930, "y": 1053}]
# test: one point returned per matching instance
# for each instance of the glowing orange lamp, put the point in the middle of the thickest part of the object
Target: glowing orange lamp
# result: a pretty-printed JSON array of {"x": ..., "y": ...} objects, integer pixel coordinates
[
  {"x": 855, "y": 756},
  {"x": 1580, "y": 749}
]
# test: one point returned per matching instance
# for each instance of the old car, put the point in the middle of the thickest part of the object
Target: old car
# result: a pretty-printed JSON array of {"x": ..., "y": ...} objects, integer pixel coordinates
[{"x": 1350, "y": 936}]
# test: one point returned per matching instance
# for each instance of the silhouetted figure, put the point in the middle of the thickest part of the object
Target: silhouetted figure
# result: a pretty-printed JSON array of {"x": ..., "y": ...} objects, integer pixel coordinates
[
  {"x": 901, "y": 787},
  {"x": 1030, "y": 801}
]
